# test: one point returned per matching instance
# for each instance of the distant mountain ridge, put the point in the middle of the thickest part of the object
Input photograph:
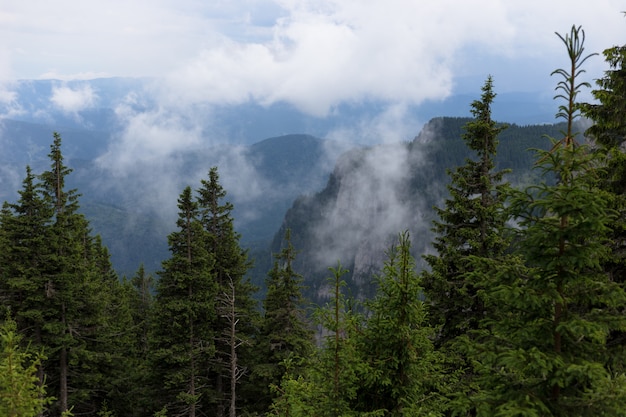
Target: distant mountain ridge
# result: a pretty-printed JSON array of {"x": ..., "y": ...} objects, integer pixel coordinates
[
  {"x": 273, "y": 177},
  {"x": 92, "y": 104}
]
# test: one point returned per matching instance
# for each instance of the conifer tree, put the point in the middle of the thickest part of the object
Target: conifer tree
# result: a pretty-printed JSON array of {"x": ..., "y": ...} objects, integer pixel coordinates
[
  {"x": 470, "y": 224},
  {"x": 58, "y": 281},
  {"x": 25, "y": 230},
  {"x": 542, "y": 348},
  {"x": 184, "y": 311},
  {"x": 68, "y": 288},
  {"x": 285, "y": 331},
  {"x": 230, "y": 266},
  {"x": 327, "y": 383},
  {"x": 143, "y": 285},
  {"x": 21, "y": 392},
  {"x": 134, "y": 395},
  {"x": 609, "y": 134},
  {"x": 405, "y": 372}
]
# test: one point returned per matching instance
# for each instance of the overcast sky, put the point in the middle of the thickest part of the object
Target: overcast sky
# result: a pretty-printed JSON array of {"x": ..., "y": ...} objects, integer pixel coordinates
[{"x": 314, "y": 54}]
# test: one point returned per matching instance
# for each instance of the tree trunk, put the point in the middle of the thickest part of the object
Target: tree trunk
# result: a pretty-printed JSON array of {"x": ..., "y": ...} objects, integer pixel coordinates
[{"x": 63, "y": 367}]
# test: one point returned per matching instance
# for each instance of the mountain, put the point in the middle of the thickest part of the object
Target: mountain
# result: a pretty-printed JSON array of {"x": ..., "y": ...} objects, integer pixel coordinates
[
  {"x": 104, "y": 105},
  {"x": 276, "y": 171},
  {"x": 377, "y": 192},
  {"x": 134, "y": 147}
]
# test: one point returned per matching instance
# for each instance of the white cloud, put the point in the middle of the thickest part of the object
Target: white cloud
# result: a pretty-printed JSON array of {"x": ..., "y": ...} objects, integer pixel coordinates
[
  {"x": 314, "y": 54},
  {"x": 73, "y": 100},
  {"x": 323, "y": 53}
]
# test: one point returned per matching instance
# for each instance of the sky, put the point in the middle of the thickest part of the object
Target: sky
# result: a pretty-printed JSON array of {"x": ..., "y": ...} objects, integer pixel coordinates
[{"x": 313, "y": 54}]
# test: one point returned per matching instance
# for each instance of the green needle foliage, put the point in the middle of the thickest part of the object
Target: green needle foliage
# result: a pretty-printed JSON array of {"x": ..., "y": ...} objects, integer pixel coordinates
[
  {"x": 609, "y": 133},
  {"x": 229, "y": 270},
  {"x": 404, "y": 375},
  {"x": 184, "y": 311},
  {"x": 327, "y": 384},
  {"x": 21, "y": 393},
  {"x": 542, "y": 349},
  {"x": 286, "y": 334},
  {"x": 471, "y": 224}
]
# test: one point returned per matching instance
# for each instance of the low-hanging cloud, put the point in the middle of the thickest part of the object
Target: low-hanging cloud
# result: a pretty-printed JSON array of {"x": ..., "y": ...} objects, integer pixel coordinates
[{"x": 73, "y": 100}]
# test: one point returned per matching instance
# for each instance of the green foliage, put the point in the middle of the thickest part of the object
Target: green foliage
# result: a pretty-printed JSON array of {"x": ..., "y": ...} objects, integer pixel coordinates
[
  {"x": 542, "y": 349},
  {"x": 405, "y": 375},
  {"x": 470, "y": 224},
  {"x": 21, "y": 393},
  {"x": 184, "y": 311},
  {"x": 286, "y": 334},
  {"x": 58, "y": 281},
  {"x": 332, "y": 375},
  {"x": 609, "y": 132},
  {"x": 609, "y": 126},
  {"x": 229, "y": 273},
  {"x": 569, "y": 87}
]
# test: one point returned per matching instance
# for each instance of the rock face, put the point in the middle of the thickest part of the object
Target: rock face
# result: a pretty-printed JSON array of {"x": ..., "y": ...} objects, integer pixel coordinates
[
  {"x": 375, "y": 193},
  {"x": 372, "y": 195}
]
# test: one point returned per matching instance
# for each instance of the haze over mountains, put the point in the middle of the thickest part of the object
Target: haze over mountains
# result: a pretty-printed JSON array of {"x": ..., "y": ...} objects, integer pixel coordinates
[{"x": 132, "y": 155}]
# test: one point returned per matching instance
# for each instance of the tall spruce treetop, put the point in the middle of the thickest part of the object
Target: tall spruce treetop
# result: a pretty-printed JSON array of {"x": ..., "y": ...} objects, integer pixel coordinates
[
  {"x": 229, "y": 270},
  {"x": 285, "y": 332},
  {"x": 184, "y": 311},
  {"x": 54, "y": 181},
  {"x": 231, "y": 260},
  {"x": 542, "y": 349},
  {"x": 470, "y": 224},
  {"x": 24, "y": 227}
]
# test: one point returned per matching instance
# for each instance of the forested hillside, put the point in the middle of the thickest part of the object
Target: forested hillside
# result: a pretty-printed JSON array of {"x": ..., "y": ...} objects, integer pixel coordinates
[{"x": 456, "y": 274}]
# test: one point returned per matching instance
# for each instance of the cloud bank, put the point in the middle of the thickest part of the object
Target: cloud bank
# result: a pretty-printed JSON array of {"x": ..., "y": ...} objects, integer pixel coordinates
[
  {"x": 72, "y": 101},
  {"x": 313, "y": 54}
]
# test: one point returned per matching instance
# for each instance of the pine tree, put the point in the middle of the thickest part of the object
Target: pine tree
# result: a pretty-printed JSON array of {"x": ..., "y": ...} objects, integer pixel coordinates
[
  {"x": 470, "y": 224},
  {"x": 326, "y": 383},
  {"x": 405, "y": 373},
  {"x": 542, "y": 349},
  {"x": 285, "y": 333},
  {"x": 57, "y": 279},
  {"x": 184, "y": 311},
  {"x": 25, "y": 230},
  {"x": 609, "y": 134},
  {"x": 230, "y": 266}
]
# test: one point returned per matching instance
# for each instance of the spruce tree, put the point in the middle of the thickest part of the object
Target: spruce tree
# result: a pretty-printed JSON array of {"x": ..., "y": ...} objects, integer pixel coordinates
[
  {"x": 326, "y": 383},
  {"x": 229, "y": 268},
  {"x": 470, "y": 224},
  {"x": 184, "y": 312},
  {"x": 542, "y": 348},
  {"x": 405, "y": 373},
  {"x": 609, "y": 134},
  {"x": 25, "y": 230},
  {"x": 58, "y": 281},
  {"x": 286, "y": 333}
]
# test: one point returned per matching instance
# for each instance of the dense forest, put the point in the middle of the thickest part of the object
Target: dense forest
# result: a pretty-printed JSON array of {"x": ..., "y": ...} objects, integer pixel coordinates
[{"x": 519, "y": 310}]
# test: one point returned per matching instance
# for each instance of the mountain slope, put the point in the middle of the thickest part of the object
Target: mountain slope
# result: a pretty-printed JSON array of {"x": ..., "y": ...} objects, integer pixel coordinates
[{"x": 375, "y": 193}]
